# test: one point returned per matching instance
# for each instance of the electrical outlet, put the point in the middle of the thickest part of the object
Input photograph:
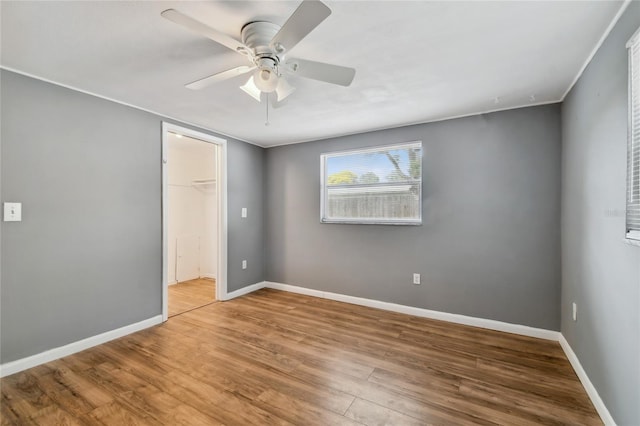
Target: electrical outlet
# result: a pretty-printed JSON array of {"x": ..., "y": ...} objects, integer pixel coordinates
[
  {"x": 243, "y": 213},
  {"x": 574, "y": 313},
  {"x": 244, "y": 264},
  {"x": 416, "y": 279}
]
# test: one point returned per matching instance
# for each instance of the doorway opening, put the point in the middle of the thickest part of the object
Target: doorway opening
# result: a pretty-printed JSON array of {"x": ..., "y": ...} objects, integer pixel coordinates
[{"x": 193, "y": 219}]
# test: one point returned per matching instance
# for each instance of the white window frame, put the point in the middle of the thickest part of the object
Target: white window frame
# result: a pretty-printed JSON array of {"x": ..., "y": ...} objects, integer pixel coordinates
[
  {"x": 633, "y": 150},
  {"x": 361, "y": 221}
]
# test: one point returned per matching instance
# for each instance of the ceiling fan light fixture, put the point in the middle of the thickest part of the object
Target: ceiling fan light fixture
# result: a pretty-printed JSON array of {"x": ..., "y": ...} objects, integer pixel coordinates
[
  {"x": 251, "y": 89},
  {"x": 266, "y": 79},
  {"x": 284, "y": 89}
]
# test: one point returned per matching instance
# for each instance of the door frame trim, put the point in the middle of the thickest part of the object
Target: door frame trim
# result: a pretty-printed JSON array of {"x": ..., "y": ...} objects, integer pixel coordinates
[{"x": 221, "y": 193}]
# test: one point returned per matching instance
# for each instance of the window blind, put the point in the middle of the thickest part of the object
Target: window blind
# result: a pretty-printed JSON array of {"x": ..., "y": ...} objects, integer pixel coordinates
[{"x": 633, "y": 157}]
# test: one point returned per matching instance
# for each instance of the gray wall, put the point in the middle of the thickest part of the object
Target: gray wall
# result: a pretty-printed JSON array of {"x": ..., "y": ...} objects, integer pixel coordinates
[
  {"x": 599, "y": 271},
  {"x": 489, "y": 245},
  {"x": 245, "y": 173},
  {"x": 87, "y": 256}
]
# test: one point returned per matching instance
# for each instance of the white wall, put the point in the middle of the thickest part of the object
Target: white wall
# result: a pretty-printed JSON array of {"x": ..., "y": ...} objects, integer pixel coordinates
[{"x": 192, "y": 209}]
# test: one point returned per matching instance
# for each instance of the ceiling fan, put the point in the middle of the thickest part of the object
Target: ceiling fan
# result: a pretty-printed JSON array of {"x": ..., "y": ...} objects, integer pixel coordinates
[{"x": 266, "y": 45}]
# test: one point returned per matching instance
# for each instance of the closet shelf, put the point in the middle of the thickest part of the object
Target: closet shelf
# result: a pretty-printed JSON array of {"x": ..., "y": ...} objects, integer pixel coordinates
[{"x": 203, "y": 183}]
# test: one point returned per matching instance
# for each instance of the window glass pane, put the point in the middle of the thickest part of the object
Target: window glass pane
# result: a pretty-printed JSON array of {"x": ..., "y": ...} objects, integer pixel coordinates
[
  {"x": 384, "y": 166},
  {"x": 375, "y": 185}
]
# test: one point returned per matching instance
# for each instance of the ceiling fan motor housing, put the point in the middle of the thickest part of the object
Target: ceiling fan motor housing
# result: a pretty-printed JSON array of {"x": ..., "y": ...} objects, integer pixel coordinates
[{"x": 258, "y": 35}]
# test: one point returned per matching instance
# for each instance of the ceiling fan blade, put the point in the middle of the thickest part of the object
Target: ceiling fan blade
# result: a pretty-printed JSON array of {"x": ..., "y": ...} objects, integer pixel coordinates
[
  {"x": 252, "y": 90},
  {"x": 203, "y": 29},
  {"x": 321, "y": 71},
  {"x": 306, "y": 17},
  {"x": 284, "y": 89},
  {"x": 224, "y": 75}
]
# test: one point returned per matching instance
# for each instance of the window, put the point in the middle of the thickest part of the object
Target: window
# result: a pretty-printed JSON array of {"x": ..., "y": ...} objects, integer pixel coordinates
[
  {"x": 633, "y": 156},
  {"x": 381, "y": 185}
]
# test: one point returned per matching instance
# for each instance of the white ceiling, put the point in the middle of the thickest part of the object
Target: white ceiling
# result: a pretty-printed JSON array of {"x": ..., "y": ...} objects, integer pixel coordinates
[{"x": 416, "y": 61}]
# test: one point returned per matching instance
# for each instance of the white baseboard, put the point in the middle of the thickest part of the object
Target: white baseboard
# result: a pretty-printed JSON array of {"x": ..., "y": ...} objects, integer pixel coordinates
[
  {"x": 245, "y": 290},
  {"x": 173, "y": 282},
  {"x": 588, "y": 386},
  {"x": 62, "y": 351},
  {"x": 425, "y": 313},
  {"x": 209, "y": 275}
]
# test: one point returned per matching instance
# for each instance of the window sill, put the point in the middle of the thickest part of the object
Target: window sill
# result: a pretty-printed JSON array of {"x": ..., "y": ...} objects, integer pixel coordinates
[
  {"x": 364, "y": 222},
  {"x": 633, "y": 238},
  {"x": 632, "y": 242}
]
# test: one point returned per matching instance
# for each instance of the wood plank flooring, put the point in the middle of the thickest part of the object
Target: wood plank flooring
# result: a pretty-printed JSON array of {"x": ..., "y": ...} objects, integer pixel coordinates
[
  {"x": 276, "y": 358},
  {"x": 191, "y": 294}
]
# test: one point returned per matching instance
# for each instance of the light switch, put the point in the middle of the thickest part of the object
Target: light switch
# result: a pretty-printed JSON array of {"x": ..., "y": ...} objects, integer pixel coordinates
[
  {"x": 12, "y": 212},
  {"x": 244, "y": 212}
]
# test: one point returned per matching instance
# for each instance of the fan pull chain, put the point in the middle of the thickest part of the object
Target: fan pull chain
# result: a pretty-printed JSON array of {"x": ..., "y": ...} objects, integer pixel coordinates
[{"x": 266, "y": 123}]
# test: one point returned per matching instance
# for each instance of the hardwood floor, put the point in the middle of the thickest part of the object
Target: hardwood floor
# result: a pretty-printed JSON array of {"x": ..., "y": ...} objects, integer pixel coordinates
[
  {"x": 273, "y": 357},
  {"x": 192, "y": 294}
]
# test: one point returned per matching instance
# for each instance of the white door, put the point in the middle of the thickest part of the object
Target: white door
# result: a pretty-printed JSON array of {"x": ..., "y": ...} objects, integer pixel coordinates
[{"x": 188, "y": 258}]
